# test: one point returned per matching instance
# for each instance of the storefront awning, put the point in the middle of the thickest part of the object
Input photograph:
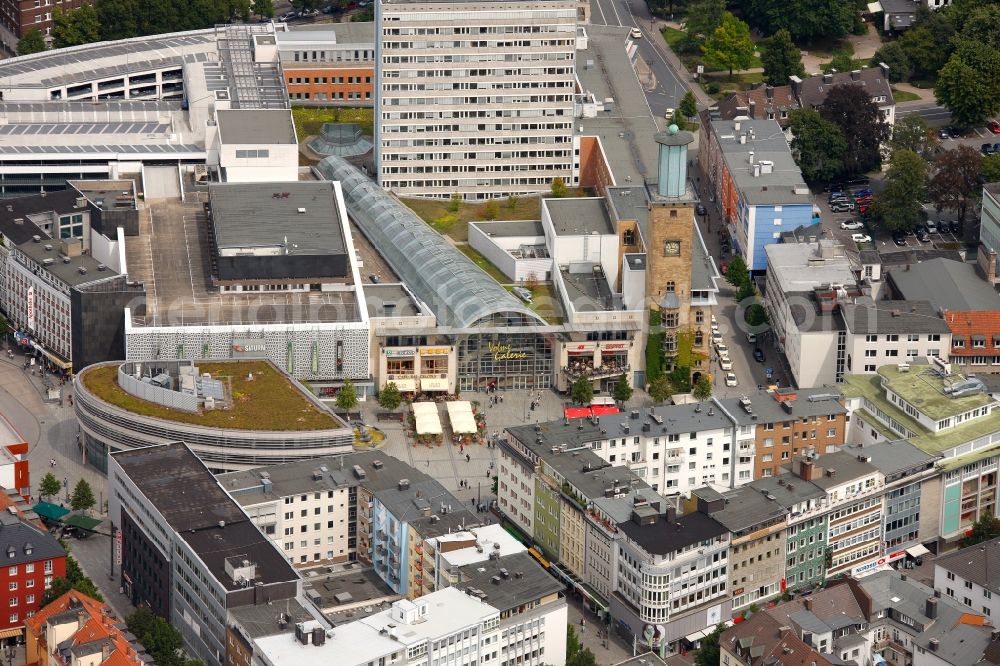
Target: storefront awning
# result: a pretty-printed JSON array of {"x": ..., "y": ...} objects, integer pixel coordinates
[
  {"x": 428, "y": 421},
  {"x": 409, "y": 385},
  {"x": 50, "y": 511},
  {"x": 83, "y": 522},
  {"x": 917, "y": 551},
  {"x": 698, "y": 635},
  {"x": 461, "y": 417},
  {"x": 433, "y": 384},
  {"x": 10, "y": 633}
]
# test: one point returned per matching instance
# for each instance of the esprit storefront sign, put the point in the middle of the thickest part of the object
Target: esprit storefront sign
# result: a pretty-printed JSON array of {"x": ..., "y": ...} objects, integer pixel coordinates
[{"x": 871, "y": 565}]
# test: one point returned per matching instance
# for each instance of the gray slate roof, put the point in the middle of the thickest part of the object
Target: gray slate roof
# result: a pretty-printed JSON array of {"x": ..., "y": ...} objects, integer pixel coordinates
[
  {"x": 845, "y": 465},
  {"x": 825, "y": 401},
  {"x": 68, "y": 272},
  {"x": 17, "y": 537},
  {"x": 746, "y": 507},
  {"x": 769, "y": 143},
  {"x": 893, "y": 457},
  {"x": 948, "y": 285},
  {"x": 578, "y": 217},
  {"x": 887, "y": 317},
  {"x": 979, "y": 564},
  {"x": 306, "y": 222},
  {"x": 259, "y": 128},
  {"x": 815, "y": 89},
  {"x": 533, "y": 583}
]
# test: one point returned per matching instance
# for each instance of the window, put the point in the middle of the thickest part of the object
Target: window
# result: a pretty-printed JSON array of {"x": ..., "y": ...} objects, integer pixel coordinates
[
  {"x": 912, "y": 337},
  {"x": 870, "y": 367},
  {"x": 12, "y": 585},
  {"x": 12, "y": 571},
  {"x": 71, "y": 226},
  {"x": 260, "y": 153},
  {"x": 48, "y": 566}
]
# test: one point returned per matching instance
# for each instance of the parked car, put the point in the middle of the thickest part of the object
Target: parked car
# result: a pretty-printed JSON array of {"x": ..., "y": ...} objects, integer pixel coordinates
[
  {"x": 721, "y": 349},
  {"x": 716, "y": 338},
  {"x": 730, "y": 379},
  {"x": 700, "y": 210},
  {"x": 725, "y": 363},
  {"x": 635, "y": 33},
  {"x": 993, "y": 126},
  {"x": 858, "y": 180},
  {"x": 289, "y": 16},
  {"x": 837, "y": 196},
  {"x": 899, "y": 239},
  {"x": 842, "y": 207},
  {"x": 954, "y": 132},
  {"x": 751, "y": 338},
  {"x": 852, "y": 225},
  {"x": 861, "y": 238},
  {"x": 863, "y": 193},
  {"x": 987, "y": 149},
  {"x": 758, "y": 354},
  {"x": 931, "y": 227},
  {"x": 923, "y": 237},
  {"x": 955, "y": 227},
  {"x": 943, "y": 133}
]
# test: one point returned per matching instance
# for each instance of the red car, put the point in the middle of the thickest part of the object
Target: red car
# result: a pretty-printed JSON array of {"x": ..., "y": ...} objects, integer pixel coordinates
[
  {"x": 993, "y": 126},
  {"x": 863, "y": 201}
]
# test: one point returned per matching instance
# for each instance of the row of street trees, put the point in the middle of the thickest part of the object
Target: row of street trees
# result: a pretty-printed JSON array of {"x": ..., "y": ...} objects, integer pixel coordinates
[{"x": 804, "y": 20}]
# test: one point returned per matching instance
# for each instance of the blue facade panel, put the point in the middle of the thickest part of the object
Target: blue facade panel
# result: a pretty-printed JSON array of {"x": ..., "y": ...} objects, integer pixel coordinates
[{"x": 769, "y": 222}]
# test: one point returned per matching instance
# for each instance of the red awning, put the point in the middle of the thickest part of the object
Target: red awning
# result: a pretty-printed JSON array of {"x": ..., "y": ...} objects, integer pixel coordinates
[
  {"x": 603, "y": 410},
  {"x": 576, "y": 412}
]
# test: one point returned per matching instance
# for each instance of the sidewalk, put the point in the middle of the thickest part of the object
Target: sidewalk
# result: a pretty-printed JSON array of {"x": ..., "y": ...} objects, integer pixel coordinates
[{"x": 660, "y": 44}]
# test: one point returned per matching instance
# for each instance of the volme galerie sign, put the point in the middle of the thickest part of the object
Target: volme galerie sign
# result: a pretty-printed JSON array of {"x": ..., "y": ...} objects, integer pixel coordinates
[{"x": 506, "y": 352}]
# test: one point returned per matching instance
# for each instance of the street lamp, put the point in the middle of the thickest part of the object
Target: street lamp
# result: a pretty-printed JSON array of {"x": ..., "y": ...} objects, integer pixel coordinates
[{"x": 66, "y": 487}]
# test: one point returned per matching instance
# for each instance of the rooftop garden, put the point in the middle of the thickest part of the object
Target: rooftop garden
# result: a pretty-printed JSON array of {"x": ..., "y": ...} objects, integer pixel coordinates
[{"x": 268, "y": 402}]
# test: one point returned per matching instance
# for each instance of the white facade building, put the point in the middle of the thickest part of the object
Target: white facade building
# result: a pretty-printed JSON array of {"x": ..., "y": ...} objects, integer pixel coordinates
[
  {"x": 969, "y": 577},
  {"x": 474, "y": 97}
]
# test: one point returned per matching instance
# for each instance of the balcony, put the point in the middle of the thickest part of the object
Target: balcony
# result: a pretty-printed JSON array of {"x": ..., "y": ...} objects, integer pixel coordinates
[
  {"x": 419, "y": 550},
  {"x": 604, "y": 371},
  {"x": 418, "y": 566}
]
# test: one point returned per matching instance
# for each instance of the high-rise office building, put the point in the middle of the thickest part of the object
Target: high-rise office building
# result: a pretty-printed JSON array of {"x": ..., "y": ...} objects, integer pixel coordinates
[{"x": 474, "y": 97}]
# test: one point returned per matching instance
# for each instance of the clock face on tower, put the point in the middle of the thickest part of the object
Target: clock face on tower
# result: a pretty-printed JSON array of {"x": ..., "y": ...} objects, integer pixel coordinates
[{"x": 671, "y": 248}]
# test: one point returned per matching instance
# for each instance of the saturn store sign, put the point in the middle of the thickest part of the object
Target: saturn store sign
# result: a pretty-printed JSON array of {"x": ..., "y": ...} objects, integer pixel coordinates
[{"x": 251, "y": 347}]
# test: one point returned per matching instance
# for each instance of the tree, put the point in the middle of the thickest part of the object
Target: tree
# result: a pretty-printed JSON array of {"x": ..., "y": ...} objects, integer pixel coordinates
[
  {"x": 582, "y": 658},
  {"x": 32, "y": 42},
  {"x": 347, "y": 396},
  {"x": 389, "y": 397},
  {"x": 912, "y": 133},
  {"x": 968, "y": 85},
  {"x": 756, "y": 315},
  {"x": 492, "y": 209},
  {"x": 955, "y": 183},
  {"x": 708, "y": 653},
  {"x": 75, "y": 27},
  {"x": 531, "y": 281},
  {"x": 736, "y": 272},
  {"x": 623, "y": 390},
  {"x": 851, "y": 109},
  {"x": 781, "y": 58},
  {"x": 678, "y": 120},
  {"x": 83, "y": 496},
  {"x": 162, "y": 641},
  {"x": 991, "y": 168},
  {"x": 805, "y": 20},
  {"x": 660, "y": 389},
  {"x": 704, "y": 16},
  {"x": 582, "y": 391},
  {"x": 984, "y": 529},
  {"x": 264, "y": 8},
  {"x": 894, "y": 55},
  {"x": 75, "y": 579},
  {"x": 702, "y": 388},
  {"x": 49, "y": 485},
  {"x": 899, "y": 206},
  {"x": 730, "y": 46},
  {"x": 558, "y": 187},
  {"x": 819, "y": 147},
  {"x": 689, "y": 105},
  {"x": 981, "y": 26},
  {"x": 117, "y": 18},
  {"x": 455, "y": 203},
  {"x": 572, "y": 642},
  {"x": 512, "y": 201},
  {"x": 923, "y": 51}
]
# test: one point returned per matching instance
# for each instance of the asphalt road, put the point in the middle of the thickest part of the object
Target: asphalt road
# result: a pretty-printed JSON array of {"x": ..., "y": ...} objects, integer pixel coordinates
[
  {"x": 933, "y": 113},
  {"x": 670, "y": 87}
]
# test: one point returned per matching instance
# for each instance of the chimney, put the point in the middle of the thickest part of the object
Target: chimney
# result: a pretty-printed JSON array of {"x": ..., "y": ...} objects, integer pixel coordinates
[
  {"x": 885, "y": 69},
  {"x": 769, "y": 93},
  {"x": 796, "y": 86},
  {"x": 671, "y": 180},
  {"x": 933, "y": 645},
  {"x": 828, "y": 78},
  {"x": 808, "y": 601},
  {"x": 856, "y": 75},
  {"x": 930, "y": 608}
]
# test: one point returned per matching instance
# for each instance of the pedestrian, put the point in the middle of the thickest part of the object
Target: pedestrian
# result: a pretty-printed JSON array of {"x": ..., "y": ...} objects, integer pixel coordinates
[
  {"x": 428, "y": 463},
  {"x": 468, "y": 458},
  {"x": 501, "y": 397}
]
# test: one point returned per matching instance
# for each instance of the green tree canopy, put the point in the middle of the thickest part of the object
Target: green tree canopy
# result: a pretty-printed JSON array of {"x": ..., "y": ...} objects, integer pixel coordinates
[
  {"x": 955, "y": 183},
  {"x": 83, "y": 496},
  {"x": 805, "y": 20},
  {"x": 558, "y": 188},
  {"x": 894, "y": 55},
  {"x": 912, "y": 133},
  {"x": 702, "y": 388},
  {"x": 965, "y": 93},
  {"x": 75, "y": 27},
  {"x": 703, "y": 17},
  {"x": 781, "y": 58},
  {"x": 689, "y": 105},
  {"x": 841, "y": 62},
  {"x": 347, "y": 396},
  {"x": 582, "y": 391},
  {"x": 389, "y": 397},
  {"x": 819, "y": 147},
  {"x": 729, "y": 46},
  {"x": 851, "y": 109},
  {"x": 623, "y": 389},
  {"x": 31, "y": 42},
  {"x": 708, "y": 652},
  {"x": 660, "y": 389},
  {"x": 990, "y": 168},
  {"x": 49, "y": 485},
  {"x": 899, "y": 206},
  {"x": 924, "y": 52},
  {"x": 264, "y": 8},
  {"x": 736, "y": 272},
  {"x": 984, "y": 529},
  {"x": 162, "y": 641},
  {"x": 75, "y": 579}
]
